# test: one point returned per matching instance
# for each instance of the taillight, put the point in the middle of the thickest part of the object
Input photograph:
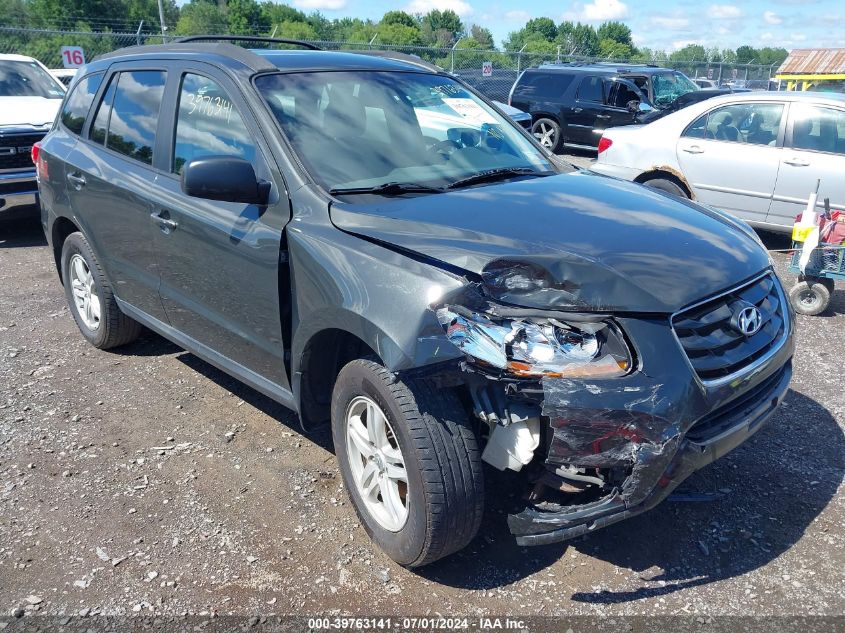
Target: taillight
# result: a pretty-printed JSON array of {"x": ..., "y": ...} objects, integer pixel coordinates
[
  {"x": 36, "y": 147},
  {"x": 604, "y": 144}
]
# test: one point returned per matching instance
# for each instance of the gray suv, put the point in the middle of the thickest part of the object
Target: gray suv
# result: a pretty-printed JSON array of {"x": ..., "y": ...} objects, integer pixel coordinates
[{"x": 371, "y": 243}]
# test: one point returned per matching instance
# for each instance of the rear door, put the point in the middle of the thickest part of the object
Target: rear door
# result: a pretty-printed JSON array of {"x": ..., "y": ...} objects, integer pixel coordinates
[
  {"x": 814, "y": 150},
  {"x": 220, "y": 260},
  {"x": 588, "y": 113},
  {"x": 730, "y": 157},
  {"x": 110, "y": 178}
]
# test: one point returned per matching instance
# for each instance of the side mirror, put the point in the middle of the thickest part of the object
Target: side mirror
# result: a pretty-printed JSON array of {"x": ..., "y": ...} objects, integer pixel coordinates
[
  {"x": 224, "y": 178},
  {"x": 642, "y": 106}
]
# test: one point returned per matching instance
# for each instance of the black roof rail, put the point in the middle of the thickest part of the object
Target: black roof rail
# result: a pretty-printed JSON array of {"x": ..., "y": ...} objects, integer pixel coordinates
[
  {"x": 403, "y": 57},
  {"x": 245, "y": 38}
]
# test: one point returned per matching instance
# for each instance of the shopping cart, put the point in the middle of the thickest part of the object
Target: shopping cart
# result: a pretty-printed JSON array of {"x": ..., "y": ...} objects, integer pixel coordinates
[{"x": 811, "y": 294}]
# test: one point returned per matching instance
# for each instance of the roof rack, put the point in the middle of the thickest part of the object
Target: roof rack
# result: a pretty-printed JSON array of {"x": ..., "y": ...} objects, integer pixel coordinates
[
  {"x": 404, "y": 57},
  {"x": 245, "y": 38}
]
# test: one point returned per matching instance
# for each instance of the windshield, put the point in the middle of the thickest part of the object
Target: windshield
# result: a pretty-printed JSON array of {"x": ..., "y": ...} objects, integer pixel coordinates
[
  {"x": 355, "y": 130},
  {"x": 669, "y": 86},
  {"x": 27, "y": 79}
]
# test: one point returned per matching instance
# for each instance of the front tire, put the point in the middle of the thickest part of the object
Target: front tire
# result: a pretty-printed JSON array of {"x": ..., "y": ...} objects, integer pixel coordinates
[
  {"x": 410, "y": 463},
  {"x": 90, "y": 298}
]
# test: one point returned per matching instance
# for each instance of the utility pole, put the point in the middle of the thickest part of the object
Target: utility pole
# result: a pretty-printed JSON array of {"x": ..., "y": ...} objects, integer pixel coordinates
[{"x": 161, "y": 19}]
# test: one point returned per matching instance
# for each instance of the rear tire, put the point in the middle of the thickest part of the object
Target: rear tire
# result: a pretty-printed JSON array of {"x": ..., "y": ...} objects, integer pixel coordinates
[
  {"x": 104, "y": 326},
  {"x": 443, "y": 494},
  {"x": 810, "y": 297},
  {"x": 669, "y": 186},
  {"x": 547, "y": 133}
]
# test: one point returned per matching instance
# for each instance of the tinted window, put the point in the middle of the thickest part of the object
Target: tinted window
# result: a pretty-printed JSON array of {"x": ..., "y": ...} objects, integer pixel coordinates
[
  {"x": 101, "y": 121},
  {"x": 818, "y": 129},
  {"x": 208, "y": 124},
  {"x": 591, "y": 89},
  {"x": 134, "y": 117},
  {"x": 27, "y": 79},
  {"x": 79, "y": 102},
  {"x": 544, "y": 85}
]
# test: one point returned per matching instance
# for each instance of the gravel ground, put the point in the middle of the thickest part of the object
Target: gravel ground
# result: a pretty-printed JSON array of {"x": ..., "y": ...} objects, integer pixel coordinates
[{"x": 145, "y": 481}]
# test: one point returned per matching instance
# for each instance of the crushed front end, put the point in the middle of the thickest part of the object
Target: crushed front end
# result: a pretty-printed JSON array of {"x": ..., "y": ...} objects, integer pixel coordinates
[{"x": 606, "y": 413}]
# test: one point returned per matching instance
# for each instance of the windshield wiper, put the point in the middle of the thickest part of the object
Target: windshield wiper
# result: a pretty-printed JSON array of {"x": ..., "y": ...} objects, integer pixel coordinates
[
  {"x": 498, "y": 174},
  {"x": 387, "y": 188}
]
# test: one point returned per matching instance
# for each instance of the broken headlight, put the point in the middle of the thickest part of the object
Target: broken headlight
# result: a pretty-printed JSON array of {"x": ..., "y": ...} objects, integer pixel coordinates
[{"x": 538, "y": 347}]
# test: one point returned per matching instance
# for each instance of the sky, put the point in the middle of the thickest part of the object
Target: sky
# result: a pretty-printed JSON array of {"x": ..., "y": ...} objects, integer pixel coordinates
[{"x": 657, "y": 24}]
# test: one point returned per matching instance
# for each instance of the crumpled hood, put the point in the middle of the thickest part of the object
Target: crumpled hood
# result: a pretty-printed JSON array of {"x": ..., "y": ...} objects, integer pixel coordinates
[
  {"x": 572, "y": 241},
  {"x": 28, "y": 110}
]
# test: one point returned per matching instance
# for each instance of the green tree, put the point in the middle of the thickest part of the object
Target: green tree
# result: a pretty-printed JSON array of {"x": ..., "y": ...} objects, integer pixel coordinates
[
  {"x": 401, "y": 18},
  {"x": 689, "y": 53},
  {"x": 611, "y": 49},
  {"x": 746, "y": 54},
  {"x": 483, "y": 36},
  {"x": 577, "y": 39},
  {"x": 616, "y": 32},
  {"x": 296, "y": 30},
  {"x": 277, "y": 13},
  {"x": 544, "y": 27},
  {"x": 441, "y": 28},
  {"x": 245, "y": 17},
  {"x": 771, "y": 56},
  {"x": 199, "y": 17},
  {"x": 399, "y": 34}
]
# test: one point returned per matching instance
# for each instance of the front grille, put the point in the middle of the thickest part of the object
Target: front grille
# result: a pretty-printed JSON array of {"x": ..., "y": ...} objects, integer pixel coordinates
[
  {"x": 737, "y": 410},
  {"x": 15, "y": 150},
  {"x": 714, "y": 347}
]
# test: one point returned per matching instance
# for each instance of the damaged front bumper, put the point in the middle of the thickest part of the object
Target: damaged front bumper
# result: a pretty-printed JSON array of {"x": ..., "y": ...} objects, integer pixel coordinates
[{"x": 658, "y": 432}]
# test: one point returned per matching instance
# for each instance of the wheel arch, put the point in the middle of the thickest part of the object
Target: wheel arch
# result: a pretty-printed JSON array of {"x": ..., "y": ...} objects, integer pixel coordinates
[
  {"x": 62, "y": 227},
  {"x": 669, "y": 174}
]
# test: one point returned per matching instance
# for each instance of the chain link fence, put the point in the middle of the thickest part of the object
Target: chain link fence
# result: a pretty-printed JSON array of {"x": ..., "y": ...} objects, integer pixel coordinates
[{"x": 491, "y": 72}]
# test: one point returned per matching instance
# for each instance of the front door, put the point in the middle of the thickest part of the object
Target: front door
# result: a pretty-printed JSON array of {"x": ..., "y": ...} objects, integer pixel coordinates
[
  {"x": 220, "y": 260},
  {"x": 108, "y": 182},
  {"x": 814, "y": 151},
  {"x": 730, "y": 157}
]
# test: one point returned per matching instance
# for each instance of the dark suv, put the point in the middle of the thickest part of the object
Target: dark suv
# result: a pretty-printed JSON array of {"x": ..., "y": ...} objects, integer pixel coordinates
[
  {"x": 371, "y": 243},
  {"x": 571, "y": 105}
]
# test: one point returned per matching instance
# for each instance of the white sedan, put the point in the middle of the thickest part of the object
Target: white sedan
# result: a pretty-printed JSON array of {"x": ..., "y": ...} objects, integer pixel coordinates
[{"x": 755, "y": 155}]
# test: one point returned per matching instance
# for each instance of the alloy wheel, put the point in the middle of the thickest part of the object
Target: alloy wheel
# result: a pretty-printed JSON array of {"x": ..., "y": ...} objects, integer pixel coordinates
[
  {"x": 84, "y": 291},
  {"x": 377, "y": 463},
  {"x": 545, "y": 133}
]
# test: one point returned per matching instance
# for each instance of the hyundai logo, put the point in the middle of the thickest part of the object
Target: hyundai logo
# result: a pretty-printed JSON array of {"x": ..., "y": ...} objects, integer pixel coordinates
[{"x": 747, "y": 320}]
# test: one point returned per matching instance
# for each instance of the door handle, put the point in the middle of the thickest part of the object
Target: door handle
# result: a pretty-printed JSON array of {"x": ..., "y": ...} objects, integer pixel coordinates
[
  {"x": 797, "y": 162},
  {"x": 602, "y": 116},
  {"x": 77, "y": 180},
  {"x": 693, "y": 149},
  {"x": 577, "y": 110},
  {"x": 164, "y": 222}
]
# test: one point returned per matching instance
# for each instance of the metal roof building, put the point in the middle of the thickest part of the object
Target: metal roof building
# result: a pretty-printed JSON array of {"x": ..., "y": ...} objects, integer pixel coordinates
[{"x": 808, "y": 67}]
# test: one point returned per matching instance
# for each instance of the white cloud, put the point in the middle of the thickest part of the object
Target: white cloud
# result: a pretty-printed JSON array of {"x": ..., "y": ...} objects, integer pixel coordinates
[
  {"x": 679, "y": 44},
  {"x": 765, "y": 37},
  {"x": 521, "y": 16},
  {"x": 724, "y": 11},
  {"x": 770, "y": 17},
  {"x": 460, "y": 7},
  {"x": 320, "y": 5},
  {"x": 670, "y": 23},
  {"x": 601, "y": 10}
]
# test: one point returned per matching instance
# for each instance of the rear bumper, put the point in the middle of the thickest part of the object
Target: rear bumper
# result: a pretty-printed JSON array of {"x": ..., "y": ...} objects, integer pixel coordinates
[
  {"x": 695, "y": 450},
  {"x": 18, "y": 194},
  {"x": 616, "y": 171}
]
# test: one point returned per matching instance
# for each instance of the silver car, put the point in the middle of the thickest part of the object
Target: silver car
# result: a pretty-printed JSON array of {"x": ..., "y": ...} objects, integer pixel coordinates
[{"x": 756, "y": 155}]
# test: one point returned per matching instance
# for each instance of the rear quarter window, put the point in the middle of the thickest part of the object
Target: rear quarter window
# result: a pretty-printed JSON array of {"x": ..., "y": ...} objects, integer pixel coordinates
[
  {"x": 537, "y": 85},
  {"x": 78, "y": 102}
]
